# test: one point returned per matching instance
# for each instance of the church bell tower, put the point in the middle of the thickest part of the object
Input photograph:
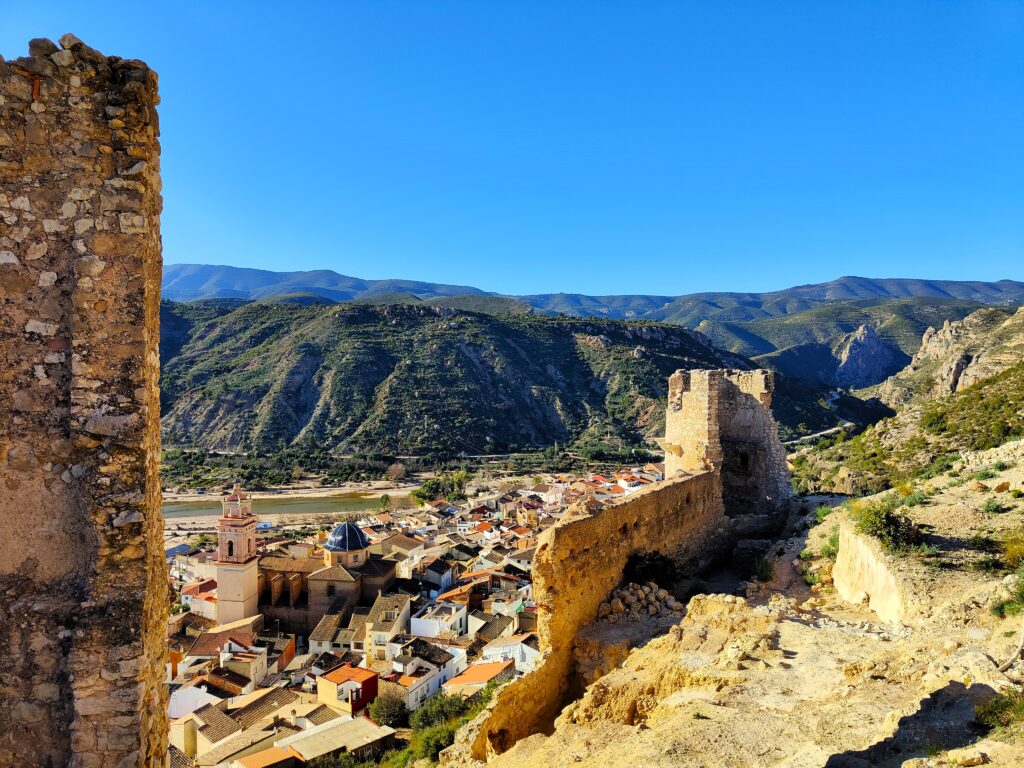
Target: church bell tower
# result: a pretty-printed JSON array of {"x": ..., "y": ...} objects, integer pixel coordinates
[{"x": 237, "y": 572}]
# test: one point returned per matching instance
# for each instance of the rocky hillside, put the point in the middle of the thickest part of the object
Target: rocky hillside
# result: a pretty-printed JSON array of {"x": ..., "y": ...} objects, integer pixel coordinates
[
  {"x": 850, "y": 344},
  {"x": 421, "y": 379},
  {"x": 849, "y": 332},
  {"x": 957, "y": 355},
  {"x": 964, "y": 391}
]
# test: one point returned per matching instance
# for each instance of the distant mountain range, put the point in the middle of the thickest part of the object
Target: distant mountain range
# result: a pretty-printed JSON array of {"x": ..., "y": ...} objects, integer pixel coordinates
[
  {"x": 186, "y": 282},
  {"x": 850, "y": 332}
]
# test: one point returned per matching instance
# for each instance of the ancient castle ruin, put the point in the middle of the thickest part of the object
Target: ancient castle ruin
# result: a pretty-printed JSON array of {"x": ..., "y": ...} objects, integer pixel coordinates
[
  {"x": 83, "y": 583},
  {"x": 720, "y": 421},
  {"x": 723, "y": 459}
]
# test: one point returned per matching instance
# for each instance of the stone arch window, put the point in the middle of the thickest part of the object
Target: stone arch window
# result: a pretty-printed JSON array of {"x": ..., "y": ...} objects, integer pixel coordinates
[{"x": 231, "y": 549}]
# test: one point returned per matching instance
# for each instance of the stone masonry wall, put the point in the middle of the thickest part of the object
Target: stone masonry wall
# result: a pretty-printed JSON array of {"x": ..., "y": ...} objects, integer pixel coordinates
[
  {"x": 721, "y": 420},
  {"x": 578, "y": 563},
  {"x": 83, "y": 596}
]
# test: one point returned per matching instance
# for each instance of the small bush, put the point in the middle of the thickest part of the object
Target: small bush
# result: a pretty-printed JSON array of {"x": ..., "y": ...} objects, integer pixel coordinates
[
  {"x": 985, "y": 474},
  {"x": 427, "y": 744},
  {"x": 1017, "y": 493},
  {"x": 989, "y": 564},
  {"x": 1013, "y": 549},
  {"x": 810, "y": 578},
  {"x": 896, "y": 532},
  {"x": 438, "y": 709},
  {"x": 764, "y": 569},
  {"x": 831, "y": 547},
  {"x": 1002, "y": 711},
  {"x": 1014, "y": 604},
  {"x": 914, "y": 499},
  {"x": 940, "y": 464},
  {"x": 822, "y": 512},
  {"x": 994, "y": 507}
]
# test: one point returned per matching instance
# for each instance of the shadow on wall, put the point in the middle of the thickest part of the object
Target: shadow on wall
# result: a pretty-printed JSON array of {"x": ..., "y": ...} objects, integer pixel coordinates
[{"x": 945, "y": 720}]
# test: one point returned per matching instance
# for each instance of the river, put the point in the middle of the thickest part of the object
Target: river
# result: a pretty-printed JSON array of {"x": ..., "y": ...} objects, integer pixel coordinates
[{"x": 321, "y": 505}]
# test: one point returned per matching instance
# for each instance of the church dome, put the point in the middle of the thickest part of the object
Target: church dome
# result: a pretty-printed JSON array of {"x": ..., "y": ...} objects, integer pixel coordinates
[{"x": 346, "y": 537}]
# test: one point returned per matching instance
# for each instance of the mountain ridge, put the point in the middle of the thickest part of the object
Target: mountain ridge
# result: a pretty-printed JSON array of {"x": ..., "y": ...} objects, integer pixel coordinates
[{"x": 186, "y": 282}]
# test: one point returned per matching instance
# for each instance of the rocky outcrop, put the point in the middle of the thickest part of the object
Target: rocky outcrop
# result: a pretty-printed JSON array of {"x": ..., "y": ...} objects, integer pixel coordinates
[
  {"x": 864, "y": 358},
  {"x": 958, "y": 355}
]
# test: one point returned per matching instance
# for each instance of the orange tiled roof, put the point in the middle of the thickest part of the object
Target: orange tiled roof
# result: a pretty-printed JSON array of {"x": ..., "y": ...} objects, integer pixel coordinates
[
  {"x": 345, "y": 673},
  {"x": 480, "y": 673},
  {"x": 264, "y": 758}
]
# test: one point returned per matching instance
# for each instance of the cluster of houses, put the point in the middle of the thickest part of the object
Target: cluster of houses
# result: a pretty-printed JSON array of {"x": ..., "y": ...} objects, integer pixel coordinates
[{"x": 284, "y": 645}]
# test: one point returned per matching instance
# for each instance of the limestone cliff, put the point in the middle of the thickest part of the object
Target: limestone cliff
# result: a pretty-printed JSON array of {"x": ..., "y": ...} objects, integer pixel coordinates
[
  {"x": 864, "y": 358},
  {"x": 957, "y": 355}
]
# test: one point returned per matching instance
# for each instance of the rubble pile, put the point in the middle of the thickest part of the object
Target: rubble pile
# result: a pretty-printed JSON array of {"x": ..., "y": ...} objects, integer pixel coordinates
[{"x": 633, "y": 602}]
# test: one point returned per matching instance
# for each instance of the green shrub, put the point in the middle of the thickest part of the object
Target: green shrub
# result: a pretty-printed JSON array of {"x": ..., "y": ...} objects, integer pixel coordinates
[
  {"x": 1004, "y": 710},
  {"x": 822, "y": 512},
  {"x": 427, "y": 744},
  {"x": 810, "y": 578},
  {"x": 1001, "y": 466},
  {"x": 764, "y": 569},
  {"x": 988, "y": 564},
  {"x": 438, "y": 709},
  {"x": 831, "y": 547},
  {"x": 914, "y": 499},
  {"x": 934, "y": 422},
  {"x": 938, "y": 465},
  {"x": 994, "y": 507},
  {"x": 896, "y": 532},
  {"x": 1014, "y": 603},
  {"x": 985, "y": 474},
  {"x": 396, "y": 758},
  {"x": 1013, "y": 549},
  {"x": 1017, "y": 493}
]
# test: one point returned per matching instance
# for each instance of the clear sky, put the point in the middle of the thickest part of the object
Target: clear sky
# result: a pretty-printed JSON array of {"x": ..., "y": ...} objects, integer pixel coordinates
[{"x": 591, "y": 146}]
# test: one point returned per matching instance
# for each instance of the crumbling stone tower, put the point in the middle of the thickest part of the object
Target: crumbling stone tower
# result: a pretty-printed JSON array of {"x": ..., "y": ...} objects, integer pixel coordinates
[
  {"x": 721, "y": 420},
  {"x": 83, "y": 583}
]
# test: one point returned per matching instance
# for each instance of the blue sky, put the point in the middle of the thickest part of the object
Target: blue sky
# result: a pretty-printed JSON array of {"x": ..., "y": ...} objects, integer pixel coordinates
[{"x": 593, "y": 147}]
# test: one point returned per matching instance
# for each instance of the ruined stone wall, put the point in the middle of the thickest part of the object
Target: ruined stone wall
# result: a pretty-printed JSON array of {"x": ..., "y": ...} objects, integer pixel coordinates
[
  {"x": 721, "y": 420},
  {"x": 863, "y": 573},
  {"x": 83, "y": 584},
  {"x": 578, "y": 562}
]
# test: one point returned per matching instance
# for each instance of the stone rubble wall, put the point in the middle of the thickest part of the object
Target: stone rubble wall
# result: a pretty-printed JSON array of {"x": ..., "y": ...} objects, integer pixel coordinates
[
  {"x": 578, "y": 563},
  {"x": 83, "y": 582}
]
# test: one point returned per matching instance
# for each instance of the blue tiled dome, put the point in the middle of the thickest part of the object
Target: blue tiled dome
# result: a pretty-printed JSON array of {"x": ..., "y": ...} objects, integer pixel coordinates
[{"x": 345, "y": 537}]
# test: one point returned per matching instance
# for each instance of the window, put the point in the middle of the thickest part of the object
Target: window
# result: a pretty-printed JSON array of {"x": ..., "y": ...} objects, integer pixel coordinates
[
  {"x": 357, "y": 694},
  {"x": 330, "y": 590},
  {"x": 231, "y": 549}
]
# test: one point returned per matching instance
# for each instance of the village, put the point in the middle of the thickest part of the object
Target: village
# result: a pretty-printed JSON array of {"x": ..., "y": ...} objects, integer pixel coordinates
[{"x": 287, "y": 649}]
